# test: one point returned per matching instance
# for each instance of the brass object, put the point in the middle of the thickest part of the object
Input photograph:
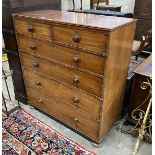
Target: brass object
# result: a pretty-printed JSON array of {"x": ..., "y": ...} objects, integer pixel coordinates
[
  {"x": 143, "y": 128},
  {"x": 147, "y": 122}
]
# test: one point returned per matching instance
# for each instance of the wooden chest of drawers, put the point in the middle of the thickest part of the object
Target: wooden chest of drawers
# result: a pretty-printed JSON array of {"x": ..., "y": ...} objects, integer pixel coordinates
[{"x": 75, "y": 66}]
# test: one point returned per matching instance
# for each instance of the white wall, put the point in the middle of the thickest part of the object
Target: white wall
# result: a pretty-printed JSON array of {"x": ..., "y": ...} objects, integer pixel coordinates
[{"x": 127, "y": 5}]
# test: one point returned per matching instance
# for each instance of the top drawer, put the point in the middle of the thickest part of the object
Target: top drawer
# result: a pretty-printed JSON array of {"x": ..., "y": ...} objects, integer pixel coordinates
[
  {"x": 90, "y": 40},
  {"x": 32, "y": 28}
]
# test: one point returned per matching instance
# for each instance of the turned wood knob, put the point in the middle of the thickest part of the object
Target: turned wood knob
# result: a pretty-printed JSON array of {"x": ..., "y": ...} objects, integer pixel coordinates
[
  {"x": 76, "y": 38},
  {"x": 76, "y": 59},
  {"x": 30, "y": 28},
  {"x": 76, "y": 99},
  {"x": 76, "y": 79},
  {"x": 40, "y": 101},
  {"x": 33, "y": 46},
  {"x": 35, "y": 64},
  {"x": 38, "y": 83},
  {"x": 76, "y": 120}
]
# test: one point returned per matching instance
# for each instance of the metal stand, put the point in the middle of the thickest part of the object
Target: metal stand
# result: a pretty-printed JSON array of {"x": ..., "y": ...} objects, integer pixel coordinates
[
  {"x": 142, "y": 129},
  {"x": 5, "y": 101}
]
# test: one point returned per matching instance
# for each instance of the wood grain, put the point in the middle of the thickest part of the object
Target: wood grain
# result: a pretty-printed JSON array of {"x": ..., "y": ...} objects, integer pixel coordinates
[
  {"x": 79, "y": 73},
  {"x": 67, "y": 75},
  {"x": 91, "y": 21},
  {"x": 66, "y": 114},
  {"x": 65, "y": 55},
  {"x": 38, "y": 29},
  {"x": 85, "y": 103},
  {"x": 117, "y": 65},
  {"x": 89, "y": 40}
]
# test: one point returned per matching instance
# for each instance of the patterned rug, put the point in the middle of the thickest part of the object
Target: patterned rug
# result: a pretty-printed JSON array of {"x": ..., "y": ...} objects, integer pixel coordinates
[{"x": 23, "y": 134}]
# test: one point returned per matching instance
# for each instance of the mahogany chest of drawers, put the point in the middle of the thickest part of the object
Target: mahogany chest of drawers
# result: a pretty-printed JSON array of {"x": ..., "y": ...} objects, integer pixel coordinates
[{"x": 75, "y": 66}]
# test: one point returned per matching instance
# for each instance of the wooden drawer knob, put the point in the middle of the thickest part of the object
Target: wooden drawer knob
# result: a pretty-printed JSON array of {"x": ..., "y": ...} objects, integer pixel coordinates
[
  {"x": 76, "y": 38},
  {"x": 76, "y": 120},
  {"x": 38, "y": 83},
  {"x": 33, "y": 47},
  {"x": 35, "y": 64},
  {"x": 40, "y": 101},
  {"x": 76, "y": 59},
  {"x": 76, "y": 99},
  {"x": 76, "y": 79},
  {"x": 30, "y": 28}
]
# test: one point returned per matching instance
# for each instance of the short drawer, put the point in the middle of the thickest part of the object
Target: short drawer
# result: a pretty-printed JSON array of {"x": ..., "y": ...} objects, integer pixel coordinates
[
  {"x": 33, "y": 29},
  {"x": 66, "y": 114},
  {"x": 86, "y": 39},
  {"x": 84, "y": 81},
  {"x": 85, "y": 103},
  {"x": 69, "y": 56}
]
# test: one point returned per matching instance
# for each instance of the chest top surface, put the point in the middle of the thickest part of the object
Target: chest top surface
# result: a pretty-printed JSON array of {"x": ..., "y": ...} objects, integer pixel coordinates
[{"x": 108, "y": 23}]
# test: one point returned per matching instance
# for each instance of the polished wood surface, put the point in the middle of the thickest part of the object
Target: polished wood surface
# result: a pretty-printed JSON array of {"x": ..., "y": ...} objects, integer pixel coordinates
[
  {"x": 70, "y": 116},
  {"x": 70, "y": 75},
  {"x": 33, "y": 29},
  {"x": 63, "y": 55},
  {"x": 77, "y": 71},
  {"x": 77, "y": 19},
  {"x": 72, "y": 97},
  {"x": 116, "y": 75},
  {"x": 81, "y": 38}
]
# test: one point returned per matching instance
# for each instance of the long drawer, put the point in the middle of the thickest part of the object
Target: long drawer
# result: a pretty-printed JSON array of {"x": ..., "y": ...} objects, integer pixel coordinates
[
  {"x": 69, "y": 56},
  {"x": 72, "y": 97},
  {"x": 87, "y": 82},
  {"x": 66, "y": 114},
  {"x": 33, "y": 28},
  {"x": 86, "y": 39}
]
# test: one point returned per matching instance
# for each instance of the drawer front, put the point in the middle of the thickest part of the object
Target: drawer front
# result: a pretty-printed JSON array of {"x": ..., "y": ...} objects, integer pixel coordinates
[
  {"x": 87, "y": 82},
  {"x": 66, "y": 114},
  {"x": 82, "y": 38},
  {"x": 72, "y": 97},
  {"x": 72, "y": 57},
  {"x": 33, "y": 29}
]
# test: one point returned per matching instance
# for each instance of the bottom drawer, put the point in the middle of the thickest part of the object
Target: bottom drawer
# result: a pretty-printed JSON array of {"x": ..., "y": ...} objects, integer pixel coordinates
[{"x": 64, "y": 113}]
